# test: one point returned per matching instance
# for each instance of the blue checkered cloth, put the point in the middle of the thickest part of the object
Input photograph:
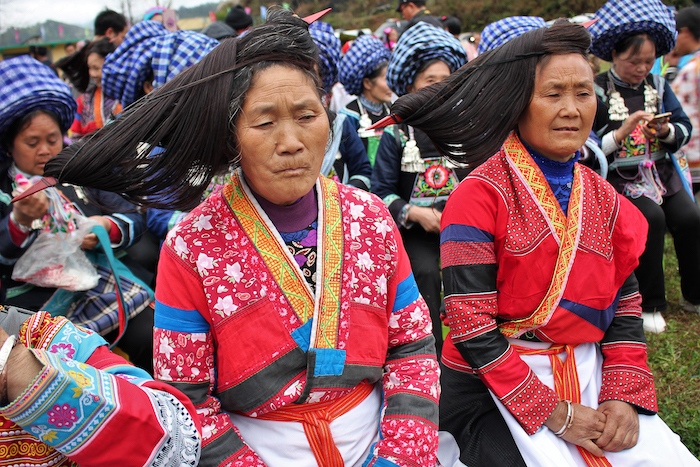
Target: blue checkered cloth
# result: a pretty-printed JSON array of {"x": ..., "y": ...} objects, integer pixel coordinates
[
  {"x": 28, "y": 85},
  {"x": 328, "y": 52},
  {"x": 421, "y": 43},
  {"x": 149, "y": 46},
  {"x": 619, "y": 19},
  {"x": 499, "y": 32},
  {"x": 364, "y": 55}
]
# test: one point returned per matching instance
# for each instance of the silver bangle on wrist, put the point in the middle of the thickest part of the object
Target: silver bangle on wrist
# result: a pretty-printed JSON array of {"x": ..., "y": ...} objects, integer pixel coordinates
[
  {"x": 569, "y": 420},
  {"x": 21, "y": 227}
]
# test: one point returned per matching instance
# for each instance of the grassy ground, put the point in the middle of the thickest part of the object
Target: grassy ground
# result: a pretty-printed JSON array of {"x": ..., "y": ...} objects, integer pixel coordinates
[{"x": 674, "y": 357}]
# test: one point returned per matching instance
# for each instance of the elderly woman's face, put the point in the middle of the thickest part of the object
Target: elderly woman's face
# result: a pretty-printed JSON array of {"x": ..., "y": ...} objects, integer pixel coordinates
[
  {"x": 560, "y": 115},
  {"x": 36, "y": 144},
  {"x": 282, "y": 132},
  {"x": 633, "y": 68}
]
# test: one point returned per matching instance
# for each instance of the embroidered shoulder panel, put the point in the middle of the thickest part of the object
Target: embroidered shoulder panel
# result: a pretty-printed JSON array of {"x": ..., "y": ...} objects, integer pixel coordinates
[
  {"x": 600, "y": 208},
  {"x": 526, "y": 225}
]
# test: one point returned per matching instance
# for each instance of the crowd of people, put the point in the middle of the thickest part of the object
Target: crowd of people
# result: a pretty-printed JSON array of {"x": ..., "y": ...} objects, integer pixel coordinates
[{"x": 283, "y": 226}]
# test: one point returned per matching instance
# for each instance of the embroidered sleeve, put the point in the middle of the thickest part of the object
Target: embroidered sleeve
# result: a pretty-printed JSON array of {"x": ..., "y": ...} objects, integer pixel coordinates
[
  {"x": 411, "y": 376},
  {"x": 79, "y": 408},
  {"x": 626, "y": 376},
  {"x": 184, "y": 356},
  {"x": 385, "y": 175},
  {"x": 469, "y": 268}
]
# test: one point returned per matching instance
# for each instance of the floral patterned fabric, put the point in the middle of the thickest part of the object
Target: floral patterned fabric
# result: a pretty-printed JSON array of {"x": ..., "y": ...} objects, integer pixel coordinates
[
  {"x": 686, "y": 86},
  {"x": 74, "y": 408},
  {"x": 228, "y": 335}
]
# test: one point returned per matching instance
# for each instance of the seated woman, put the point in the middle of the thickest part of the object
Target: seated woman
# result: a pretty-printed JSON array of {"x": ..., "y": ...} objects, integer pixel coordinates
[
  {"x": 640, "y": 148},
  {"x": 286, "y": 308},
  {"x": 84, "y": 70},
  {"x": 546, "y": 346},
  {"x": 32, "y": 122},
  {"x": 363, "y": 73},
  {"x": 66, "y": 400}
]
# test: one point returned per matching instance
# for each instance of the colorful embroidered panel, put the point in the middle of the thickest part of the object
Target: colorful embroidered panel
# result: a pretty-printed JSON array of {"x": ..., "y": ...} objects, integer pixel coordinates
[
  {"x": 567, "y": 229},
  {"x": 286, "y": 272},
  {"x": 328, "y": 317},
  {"x": 273, "y": 253}
]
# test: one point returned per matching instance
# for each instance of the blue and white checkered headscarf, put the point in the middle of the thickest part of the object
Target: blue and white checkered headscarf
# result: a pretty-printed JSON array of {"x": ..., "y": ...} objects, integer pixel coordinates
[
  {"x": 149, "y": 46},
  {"x": 417, "y": 45},
  {"x": 328, "y": 52},
  {"x": 619, "y": 19},
  {"x": 364, "y": 55},
  {"x": 27, "y": 85},
  {"x": 499, "y": 32}
]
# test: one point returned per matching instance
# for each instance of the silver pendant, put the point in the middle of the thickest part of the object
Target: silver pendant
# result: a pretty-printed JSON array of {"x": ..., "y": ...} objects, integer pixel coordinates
[
  {"x": 411, "y": 160},
  {"x": 651, "y": 99},
  {"x": 617, "y": 110}
]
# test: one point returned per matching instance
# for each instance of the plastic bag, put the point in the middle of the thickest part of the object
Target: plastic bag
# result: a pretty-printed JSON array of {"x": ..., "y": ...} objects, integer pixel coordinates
[{"x": 56, "y": 259}]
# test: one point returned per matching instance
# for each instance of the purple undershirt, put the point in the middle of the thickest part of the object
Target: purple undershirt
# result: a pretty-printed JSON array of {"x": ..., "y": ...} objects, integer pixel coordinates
[{"x": 293, "y": 217}]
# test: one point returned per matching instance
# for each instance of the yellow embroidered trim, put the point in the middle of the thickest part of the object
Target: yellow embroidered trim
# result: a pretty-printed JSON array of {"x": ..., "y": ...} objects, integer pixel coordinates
[
  {"x": 331, "y": 274},
  {"x": 287, "y": 275},
  {"x": 567, "y": 229}
]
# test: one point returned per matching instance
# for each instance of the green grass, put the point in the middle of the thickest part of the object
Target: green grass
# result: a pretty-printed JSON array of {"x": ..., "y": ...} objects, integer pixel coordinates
[{"x": 674, "y": 358}]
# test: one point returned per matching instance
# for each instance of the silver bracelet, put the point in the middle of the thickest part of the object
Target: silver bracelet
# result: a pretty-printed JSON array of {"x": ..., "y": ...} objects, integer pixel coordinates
[
  {"x": 569, "y": 420},
  {"x": 22, "y": 228}
]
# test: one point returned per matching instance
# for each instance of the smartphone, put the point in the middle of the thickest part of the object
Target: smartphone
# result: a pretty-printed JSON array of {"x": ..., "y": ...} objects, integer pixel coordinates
[
  {"x": 661, "y": 116},
  {"x": 170, "y": 20}
]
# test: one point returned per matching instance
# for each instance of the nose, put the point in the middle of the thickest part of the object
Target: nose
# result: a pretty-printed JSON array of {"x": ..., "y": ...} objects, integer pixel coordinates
[
  {"x": 44, "y": 148},
  {"x": 569, "y": 107},
  {"x": 288, "y": 139}
]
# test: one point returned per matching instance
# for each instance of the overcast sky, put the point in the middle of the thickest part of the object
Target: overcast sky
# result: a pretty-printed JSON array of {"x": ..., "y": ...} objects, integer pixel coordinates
[{"x": 21, "y": 13}]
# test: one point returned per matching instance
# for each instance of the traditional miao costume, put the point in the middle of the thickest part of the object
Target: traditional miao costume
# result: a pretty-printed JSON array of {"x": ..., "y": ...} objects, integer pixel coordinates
[
  {"x": 345, "y": 160},
  {"x": 94, "y": 110},
  {"x": 645, "y": 171},
  {"x": 361, "y": 60},
  {"x": 149, "y": 49},
  {"x": 542, "y": 306},
  {"x": 89, "y": 407},
  {"x": 298, "y": 346}
]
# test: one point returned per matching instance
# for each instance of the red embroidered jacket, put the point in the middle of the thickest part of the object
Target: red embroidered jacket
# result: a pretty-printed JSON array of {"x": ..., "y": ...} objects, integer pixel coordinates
[{"x": 499, "y": 254}]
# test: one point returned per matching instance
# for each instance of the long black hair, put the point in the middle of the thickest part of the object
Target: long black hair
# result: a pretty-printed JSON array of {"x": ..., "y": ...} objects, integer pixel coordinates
[
  {"x": 469, "y": 115},
  {"x": 75, "y": 65},
  {"x": 166, "y": 147}
]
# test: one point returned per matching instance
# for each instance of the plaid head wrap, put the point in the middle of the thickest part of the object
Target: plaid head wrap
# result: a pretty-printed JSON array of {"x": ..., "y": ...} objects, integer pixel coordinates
[
  {"x": 149, "y": 46},
  {"x": 28, "y": 85},
  {"x": 363, "y": 57},
  {"x": 499, "y": 32},
  {"x": 420, "y": 44},
  {"x": 328, "y": 52},
  {"x": 619, "y": 19}
]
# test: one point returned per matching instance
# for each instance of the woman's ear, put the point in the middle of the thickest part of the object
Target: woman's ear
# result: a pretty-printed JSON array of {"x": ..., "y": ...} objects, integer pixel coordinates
[
  {"x": 147, "y": 87},
  {"x": 366, "y": 83}
]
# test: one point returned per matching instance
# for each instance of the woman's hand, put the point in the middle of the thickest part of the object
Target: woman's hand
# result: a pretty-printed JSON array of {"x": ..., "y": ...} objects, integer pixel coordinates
[
  {"x": 630, "y": 124},
  {"x": 90, "y": 241},
  {"x": 22, "y": 368},
  {"x": 428, "y": 218},
  {"x": 588, "y": 425},
  {"x": 656, "y": 129},
  {"x": 621, "y": 426},
  {"x": 30, "y": 208}
]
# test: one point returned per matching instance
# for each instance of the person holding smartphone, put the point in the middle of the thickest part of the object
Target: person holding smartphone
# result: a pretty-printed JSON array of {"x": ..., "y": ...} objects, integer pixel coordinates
[{"x": 641, "y": 125}]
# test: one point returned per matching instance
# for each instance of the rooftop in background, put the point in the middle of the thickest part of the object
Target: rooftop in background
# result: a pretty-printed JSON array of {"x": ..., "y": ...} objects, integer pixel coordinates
[{"x": 46, "y": 34}]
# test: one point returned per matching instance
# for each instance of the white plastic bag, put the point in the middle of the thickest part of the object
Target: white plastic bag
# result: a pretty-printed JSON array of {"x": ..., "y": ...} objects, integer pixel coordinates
[{"x": 56, "y": 259}]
